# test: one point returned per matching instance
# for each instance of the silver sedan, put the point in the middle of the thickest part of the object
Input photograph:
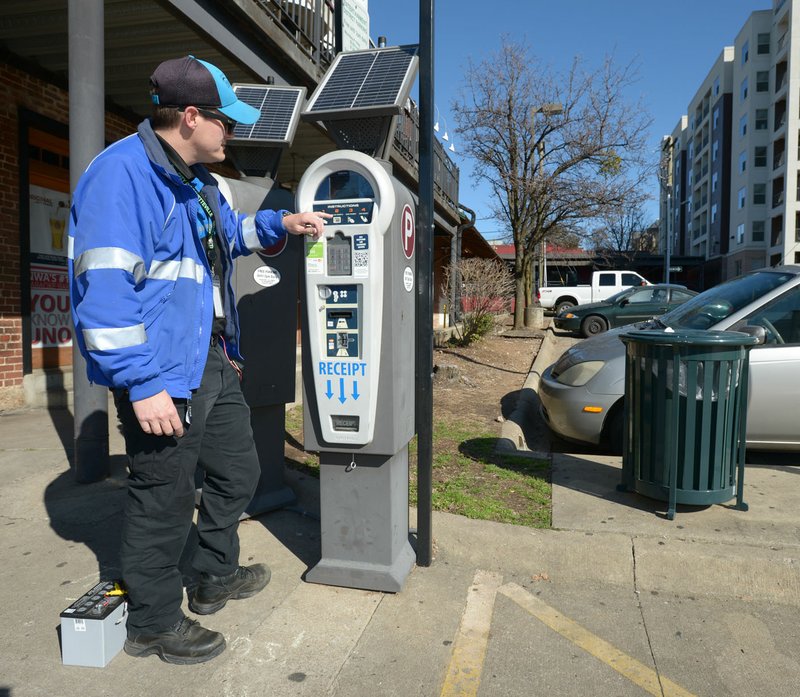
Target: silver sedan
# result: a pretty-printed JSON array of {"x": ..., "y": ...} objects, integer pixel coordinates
[{"x": 582, "y": 393}]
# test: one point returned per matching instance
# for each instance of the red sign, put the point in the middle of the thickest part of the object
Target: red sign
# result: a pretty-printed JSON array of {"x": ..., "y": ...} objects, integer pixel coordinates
[
  {"x": 275, "y": 249},
  {"x": 407, "y": 231}
]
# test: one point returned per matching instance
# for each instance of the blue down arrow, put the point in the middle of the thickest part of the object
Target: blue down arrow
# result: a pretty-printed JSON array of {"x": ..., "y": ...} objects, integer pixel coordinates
[
  {"x": 355, "y": 389},
  {"x": 329, "y": 392},
  {"x": 342, "y": 398}
]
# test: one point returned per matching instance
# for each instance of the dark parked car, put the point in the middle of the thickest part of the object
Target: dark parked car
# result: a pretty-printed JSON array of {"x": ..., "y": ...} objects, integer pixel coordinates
[{"x": 630, "y": 305}]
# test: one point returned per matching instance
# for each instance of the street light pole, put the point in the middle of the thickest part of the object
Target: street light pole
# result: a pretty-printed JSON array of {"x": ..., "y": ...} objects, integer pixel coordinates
[
  {"x": 548, "y": 109},
  {"x": 665, "y": 180}
]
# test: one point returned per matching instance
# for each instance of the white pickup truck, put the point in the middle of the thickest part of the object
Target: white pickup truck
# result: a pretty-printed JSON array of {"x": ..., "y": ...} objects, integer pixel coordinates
[{"x": 604, "y": 284}]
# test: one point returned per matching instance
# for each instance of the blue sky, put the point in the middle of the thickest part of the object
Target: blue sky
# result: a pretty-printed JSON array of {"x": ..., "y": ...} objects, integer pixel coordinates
[{"x": 675, "y": 44}]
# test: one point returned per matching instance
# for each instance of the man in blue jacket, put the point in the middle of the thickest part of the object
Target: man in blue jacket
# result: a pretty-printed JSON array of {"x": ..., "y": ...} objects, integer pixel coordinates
[{"x": 151, "y": 248}]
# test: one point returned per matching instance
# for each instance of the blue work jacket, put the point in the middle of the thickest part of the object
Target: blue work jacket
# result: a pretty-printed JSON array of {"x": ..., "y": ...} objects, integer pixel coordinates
[{"x": 140, "y": 281}]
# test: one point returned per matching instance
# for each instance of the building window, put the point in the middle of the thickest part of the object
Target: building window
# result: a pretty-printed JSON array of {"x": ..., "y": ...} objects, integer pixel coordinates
[
  {"x": 762, "y": 43},
  {"x": 716, "y": 86},
  {"x": 714, "y": 180},
  {"x": 715, "y": 150},
  {"x": 745, "y": 52},
  {"x": 740, "y": 233},
  {"x": 762, "y": 119},
  {"x": 743, "y": 125},
  {"x": 742, "y": 197},
  {"x": 758, "y": 230},
  {"x": 743, "y": 160},
  {"x": 743, "y": 90},
  {"x": 762, "y": 81},
  {"x": 760, "y": 156},
  {"x": 715, "y": 117},
  {"x": 714, "y": 213},
  {"x": 759, "y": 194}
]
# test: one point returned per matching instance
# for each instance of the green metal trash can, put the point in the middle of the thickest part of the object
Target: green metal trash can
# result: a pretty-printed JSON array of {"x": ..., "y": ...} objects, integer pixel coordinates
[{"x": 685, "y": 415}]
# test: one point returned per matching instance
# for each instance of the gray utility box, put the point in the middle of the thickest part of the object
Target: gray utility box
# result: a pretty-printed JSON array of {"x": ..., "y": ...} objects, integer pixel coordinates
[
  {"x": 93, "y": 628},
  {"x": 266, "y": 284}
]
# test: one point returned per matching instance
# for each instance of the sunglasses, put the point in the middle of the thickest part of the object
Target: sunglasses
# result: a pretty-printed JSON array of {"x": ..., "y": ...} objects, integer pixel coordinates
[{"x": 228, "y": 123}]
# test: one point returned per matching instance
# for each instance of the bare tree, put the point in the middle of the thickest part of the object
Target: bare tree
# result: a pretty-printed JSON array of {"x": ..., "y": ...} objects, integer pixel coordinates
[
  {"x": 623, "y": 232},
  {"x": 487, "y": 287},
  {"x": 555, "y": 149}
]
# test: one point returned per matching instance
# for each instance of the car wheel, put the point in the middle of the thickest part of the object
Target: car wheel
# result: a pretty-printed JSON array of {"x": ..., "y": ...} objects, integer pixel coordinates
[
  {"x": 563, "y": 305},
  {"x": 594, "y": 324}
]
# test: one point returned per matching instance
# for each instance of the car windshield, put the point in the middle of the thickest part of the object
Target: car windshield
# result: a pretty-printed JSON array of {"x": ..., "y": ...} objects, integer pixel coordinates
[
  {"x": 618, "y": 296},
  {"x": 719, "y": 302}
]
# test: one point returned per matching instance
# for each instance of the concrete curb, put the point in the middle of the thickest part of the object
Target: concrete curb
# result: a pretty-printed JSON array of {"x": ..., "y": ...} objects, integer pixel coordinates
[{"x": 512, "y": 433}]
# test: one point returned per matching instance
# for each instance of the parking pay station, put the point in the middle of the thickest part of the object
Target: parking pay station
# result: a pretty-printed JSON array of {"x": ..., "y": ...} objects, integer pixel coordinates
[{"x": 359, "y": 367}]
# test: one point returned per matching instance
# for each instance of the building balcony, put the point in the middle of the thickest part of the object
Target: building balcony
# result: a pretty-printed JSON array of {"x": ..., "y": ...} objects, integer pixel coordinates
[
  {"x": 445, "y": 172},
  {"x": 309, "y": 24}
]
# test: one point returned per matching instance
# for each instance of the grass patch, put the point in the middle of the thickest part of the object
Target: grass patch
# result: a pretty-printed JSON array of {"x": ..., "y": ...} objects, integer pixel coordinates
[
  {"x": 296, "y": 457},
  {"x": 469, "y": 478}
]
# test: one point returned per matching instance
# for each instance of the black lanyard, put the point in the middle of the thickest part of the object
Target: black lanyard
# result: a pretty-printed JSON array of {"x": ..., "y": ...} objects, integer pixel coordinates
[
  {"x": 210, "y": 228},
  {"x": 208, "y": 240}
]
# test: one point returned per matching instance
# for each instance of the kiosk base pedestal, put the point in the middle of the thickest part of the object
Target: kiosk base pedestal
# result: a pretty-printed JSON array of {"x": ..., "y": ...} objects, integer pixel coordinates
[
  {"x": 364, "y": 522},
  {"x": 269, "y": 432}
]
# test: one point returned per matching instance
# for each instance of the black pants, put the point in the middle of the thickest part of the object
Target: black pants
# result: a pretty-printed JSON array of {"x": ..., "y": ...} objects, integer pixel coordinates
[{"x": 161, "y": 495}]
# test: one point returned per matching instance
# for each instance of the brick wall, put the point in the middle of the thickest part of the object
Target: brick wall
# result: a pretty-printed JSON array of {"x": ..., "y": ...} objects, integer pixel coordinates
[{"x": 19, "y": 89}]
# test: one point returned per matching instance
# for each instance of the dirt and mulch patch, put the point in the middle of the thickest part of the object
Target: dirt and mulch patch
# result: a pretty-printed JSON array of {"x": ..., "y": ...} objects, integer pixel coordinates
[{"x": 475, "y": 389}]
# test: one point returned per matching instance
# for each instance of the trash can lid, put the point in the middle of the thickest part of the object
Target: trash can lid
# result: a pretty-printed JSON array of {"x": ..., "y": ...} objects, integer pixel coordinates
[{"x": 692, "y": 337}]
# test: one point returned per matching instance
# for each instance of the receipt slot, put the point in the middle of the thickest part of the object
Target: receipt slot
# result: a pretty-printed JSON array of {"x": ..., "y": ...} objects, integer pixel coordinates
[{"x": 358, "y": 367}]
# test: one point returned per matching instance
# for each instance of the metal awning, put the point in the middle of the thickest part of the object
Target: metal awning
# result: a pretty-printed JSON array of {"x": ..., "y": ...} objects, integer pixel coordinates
[{"x": 139, "y": 34}]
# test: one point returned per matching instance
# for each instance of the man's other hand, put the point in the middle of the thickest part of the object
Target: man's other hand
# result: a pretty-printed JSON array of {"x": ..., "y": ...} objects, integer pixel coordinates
[{"x": 157, "y": 415}]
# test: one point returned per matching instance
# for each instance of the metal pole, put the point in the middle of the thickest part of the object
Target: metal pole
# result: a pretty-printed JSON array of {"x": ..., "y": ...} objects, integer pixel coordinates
[
  {"x": 424, "y": 373},
  {"x": 455, "y": 259},
  {"x": 87, "y": 139},
  {"x": 337, "y": 23},
  {"x": 665, "y": 180},
  {"x": 667, "y": 240}
]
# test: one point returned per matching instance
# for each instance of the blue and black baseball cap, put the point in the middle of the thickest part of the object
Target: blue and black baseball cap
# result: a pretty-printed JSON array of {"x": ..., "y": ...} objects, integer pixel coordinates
[{"x": 189, "y": 81}]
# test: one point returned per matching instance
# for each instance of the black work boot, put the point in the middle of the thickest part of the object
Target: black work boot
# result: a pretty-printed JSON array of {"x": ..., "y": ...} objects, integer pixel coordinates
[
  {"x": 183, "y": 643},
  {"x": 213, "y": 592}
]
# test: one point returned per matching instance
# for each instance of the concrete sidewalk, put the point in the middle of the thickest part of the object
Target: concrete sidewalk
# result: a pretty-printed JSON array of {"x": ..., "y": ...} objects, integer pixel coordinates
[{"x": 615, "y": 600}]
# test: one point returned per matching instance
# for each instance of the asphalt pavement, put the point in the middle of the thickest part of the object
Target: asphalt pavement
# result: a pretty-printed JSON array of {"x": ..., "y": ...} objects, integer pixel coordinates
[{"x": 615, "y": 599}]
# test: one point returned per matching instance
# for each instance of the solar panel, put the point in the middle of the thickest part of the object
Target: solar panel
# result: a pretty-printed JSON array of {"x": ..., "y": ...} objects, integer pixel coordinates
[
  {"x": 280, "y": 113},
  {"x": 365, "y": 83}
]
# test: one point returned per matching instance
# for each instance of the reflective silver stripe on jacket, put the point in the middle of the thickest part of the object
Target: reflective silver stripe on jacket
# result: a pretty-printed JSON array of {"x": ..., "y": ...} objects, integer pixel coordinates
[
  {"x": 111, "y": 338},
  {"x": 173, "y": 270},
  {"x": 249, "y": 233},
  {"x": 110, "y": 258}
]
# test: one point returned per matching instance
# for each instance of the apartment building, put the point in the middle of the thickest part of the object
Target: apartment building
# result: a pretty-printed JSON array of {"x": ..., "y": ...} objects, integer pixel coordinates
[{"x": 731, "y": 160}]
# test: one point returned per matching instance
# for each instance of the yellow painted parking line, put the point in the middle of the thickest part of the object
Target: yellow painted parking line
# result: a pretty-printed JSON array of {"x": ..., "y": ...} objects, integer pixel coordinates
[
  {"x": 469, "y": 648},
  {"x": 632, "y": 669}
]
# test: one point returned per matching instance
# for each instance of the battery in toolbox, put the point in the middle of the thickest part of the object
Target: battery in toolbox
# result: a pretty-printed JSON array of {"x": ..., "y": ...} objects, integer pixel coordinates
[{"x": 93, "y": 627}]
